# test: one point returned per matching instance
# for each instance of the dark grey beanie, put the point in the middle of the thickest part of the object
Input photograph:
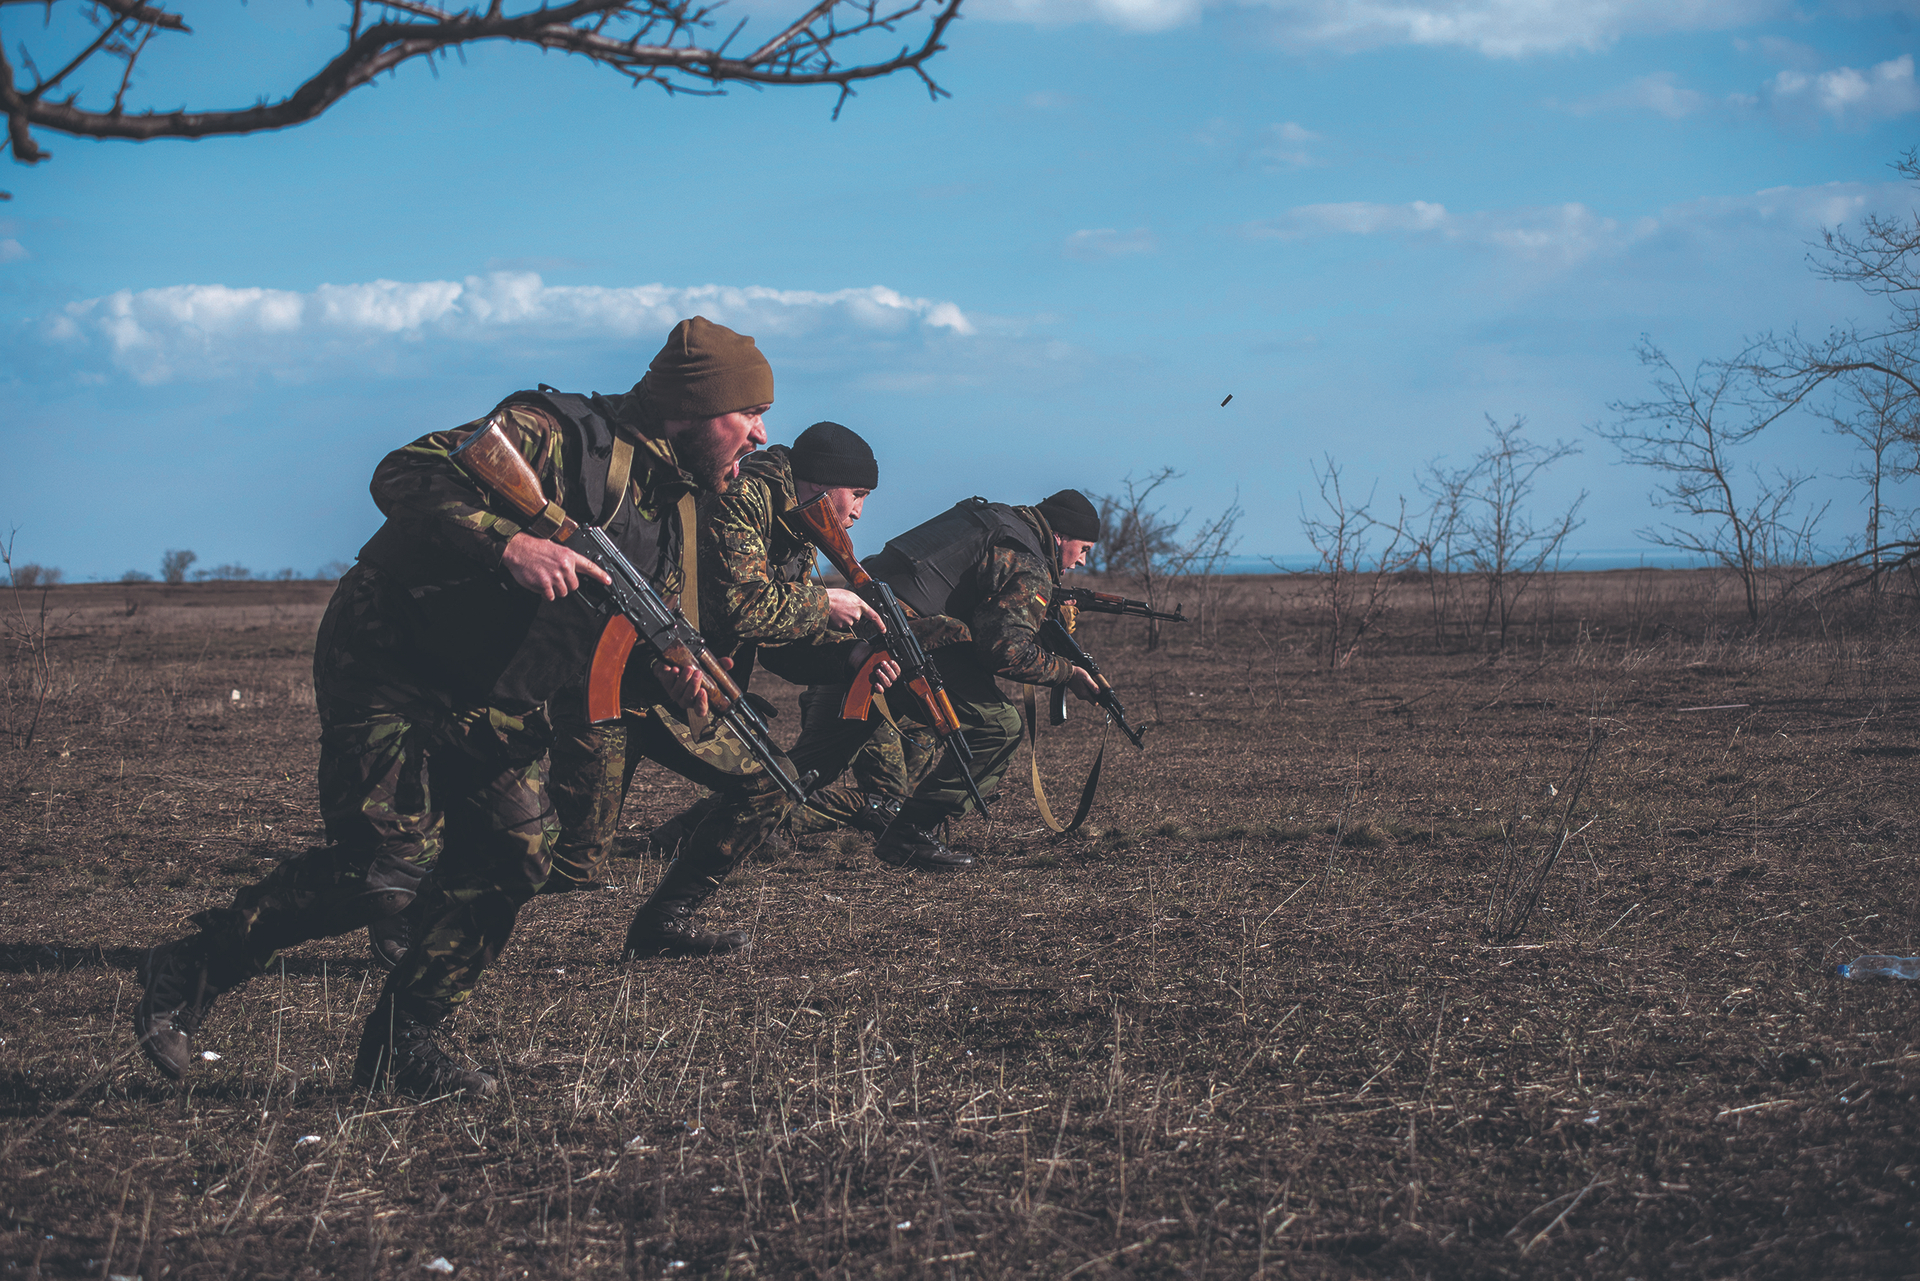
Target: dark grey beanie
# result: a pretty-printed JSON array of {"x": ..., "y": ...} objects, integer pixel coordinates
[
  {"x": 832, "y": 455},
  {"x": 1072, "y": 516}
]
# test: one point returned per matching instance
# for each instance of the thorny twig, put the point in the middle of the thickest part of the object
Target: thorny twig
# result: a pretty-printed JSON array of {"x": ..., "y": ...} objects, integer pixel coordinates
[{"x": 1517, "y": 889}]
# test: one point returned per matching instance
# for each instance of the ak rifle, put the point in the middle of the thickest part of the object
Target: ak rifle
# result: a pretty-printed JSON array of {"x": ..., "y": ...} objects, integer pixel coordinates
[
  {"x": 1092, "y": 602},
  {"x": 822, "y": 525},
  {"x": 491, "y": 459},
  {"x": 1055, "y": 638},
  {"x": 1056, "y": 635}
]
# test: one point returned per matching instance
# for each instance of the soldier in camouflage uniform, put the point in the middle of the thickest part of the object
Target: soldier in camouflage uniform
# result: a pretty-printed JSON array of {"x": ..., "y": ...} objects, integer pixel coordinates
[
  {"x": 756, "y": 604},
  {"x": 431, "y": 669},
  {"x": 992, "y": 568}
]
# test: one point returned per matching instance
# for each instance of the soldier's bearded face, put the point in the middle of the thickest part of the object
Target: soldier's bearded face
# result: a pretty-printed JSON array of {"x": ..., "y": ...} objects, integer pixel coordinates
[{"x": 712, "y": 449}]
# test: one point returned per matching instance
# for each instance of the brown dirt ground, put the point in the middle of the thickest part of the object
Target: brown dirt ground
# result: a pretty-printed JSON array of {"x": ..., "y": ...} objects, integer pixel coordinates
[{"x": 1198, "y": 1039}]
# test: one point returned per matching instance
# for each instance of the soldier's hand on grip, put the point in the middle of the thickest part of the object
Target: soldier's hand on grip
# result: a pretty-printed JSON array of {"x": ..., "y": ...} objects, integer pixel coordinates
[{"x": 546, "y": 568}]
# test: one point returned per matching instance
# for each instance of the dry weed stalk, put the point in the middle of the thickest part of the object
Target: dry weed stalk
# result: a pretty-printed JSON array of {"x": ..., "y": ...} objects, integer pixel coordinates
[{"x": 1518, "y": 885}]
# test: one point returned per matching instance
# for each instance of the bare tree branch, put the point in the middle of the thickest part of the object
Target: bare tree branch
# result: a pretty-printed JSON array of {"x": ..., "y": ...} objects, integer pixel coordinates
[
  {"x": 657, "y": 41},
  {"x": 1691, "y": 432}
]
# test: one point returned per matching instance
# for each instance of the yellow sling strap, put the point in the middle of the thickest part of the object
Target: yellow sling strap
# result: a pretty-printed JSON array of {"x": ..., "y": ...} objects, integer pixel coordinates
[
  {"x": 1040, "y": 792},
  {"x": 619, "y": 470}
]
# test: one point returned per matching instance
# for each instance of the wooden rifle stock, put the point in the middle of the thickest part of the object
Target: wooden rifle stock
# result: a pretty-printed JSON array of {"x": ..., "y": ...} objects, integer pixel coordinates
[{"x": 817, "y": 519}]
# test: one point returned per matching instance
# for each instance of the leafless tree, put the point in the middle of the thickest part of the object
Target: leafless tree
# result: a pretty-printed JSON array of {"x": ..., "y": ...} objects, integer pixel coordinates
[
  {"x": 1137, "y": 539},
  {"x": 1693, "y": 432},
  {"x": 30, "y": 575},
  {"x": 1874, "y": 365},
  {"x": 1438, "y": 545},
  {"x": 27, "y": 671},
  {"x": 1481, "y": 522},
  {"x": 1357, "y": 570},
  {"x": 669, "y": 43},
  {"x": 1200, "y": 558},
  {"x": 173, "y": 566},
  {"x": 1876, "y": 411}
]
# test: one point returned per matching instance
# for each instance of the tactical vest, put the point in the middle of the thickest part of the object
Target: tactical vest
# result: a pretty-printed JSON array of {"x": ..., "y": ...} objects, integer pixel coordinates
[
  {"x": 935, "y": 567},
  {"x": 474, "y": 630}
]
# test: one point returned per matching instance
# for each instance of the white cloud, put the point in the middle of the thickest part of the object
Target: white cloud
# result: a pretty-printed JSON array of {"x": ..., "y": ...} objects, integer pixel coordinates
[
  {"x": 1844, "y": 94},
  {"x": 1561, "y": 236},
  {"x": 1497, "y": 28},
  {"x": 12, "y": 250},
  {"x": 1286, "y": 144},
  {"x": 1100, "y": 243},
  {"x": 1659, "y": 92},
  {"x": 1134, "y": 15},
  {"x": 1353, "y": 218},
  {"x": 1880, "y": 92},
  {"x": 189, "y": 331}
]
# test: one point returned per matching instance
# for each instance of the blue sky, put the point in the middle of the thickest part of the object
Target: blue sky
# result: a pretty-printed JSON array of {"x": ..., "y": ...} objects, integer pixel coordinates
[{"x": 1374, "y": 224}]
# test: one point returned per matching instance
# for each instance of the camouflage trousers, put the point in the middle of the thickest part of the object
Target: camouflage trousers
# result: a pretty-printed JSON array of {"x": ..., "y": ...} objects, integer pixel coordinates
[
  {"x": 410, "y": 780},
  {"x": 593, "y": 768},
  {"x": 886, "y": 759},
  {"x": 992, "y": 726}
]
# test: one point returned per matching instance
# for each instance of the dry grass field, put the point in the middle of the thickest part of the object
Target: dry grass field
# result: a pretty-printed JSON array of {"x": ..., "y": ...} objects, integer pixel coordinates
[{"x": 1250, "y": 1022}]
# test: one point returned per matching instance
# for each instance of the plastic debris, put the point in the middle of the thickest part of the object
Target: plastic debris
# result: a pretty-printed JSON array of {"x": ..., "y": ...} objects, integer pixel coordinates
[{"x": 1881, "y": 967}]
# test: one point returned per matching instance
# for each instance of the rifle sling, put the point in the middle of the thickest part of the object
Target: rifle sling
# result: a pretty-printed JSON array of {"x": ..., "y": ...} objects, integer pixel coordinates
[
  {"x": 689, "y": 584},
  {"x": 619, "y": 470},
  {"x": 1040, "y": 792}
]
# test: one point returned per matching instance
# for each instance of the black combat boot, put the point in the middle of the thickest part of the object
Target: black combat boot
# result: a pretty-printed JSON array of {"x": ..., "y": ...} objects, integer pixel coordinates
[
  {"x": 181, "y": 979},
  {"x": 909, "y": 842},
  {"x": 667, "y": 929},
  {"x": 389, "y": 937},
  {"x": 398, "y": 1053},
  {"x": 877, "y": 809},
  {"x": 664, "y": 924}
]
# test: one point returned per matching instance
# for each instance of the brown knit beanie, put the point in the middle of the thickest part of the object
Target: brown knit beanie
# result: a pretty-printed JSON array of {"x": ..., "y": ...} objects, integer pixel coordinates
[{"x": 705, "y": 370}]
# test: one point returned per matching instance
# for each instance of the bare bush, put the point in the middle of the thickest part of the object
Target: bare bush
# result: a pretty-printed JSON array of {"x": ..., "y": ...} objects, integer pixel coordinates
[
  {"x": 29, "y": 576},
  {"x": 1199, "y": 559},
  {"x": 1356, "y": 568},
  {"x": 1520, "y": 880},
  {"x": 174, "y": 566},
  {"x": 1138, "y": 540},
  {"x": 1481, "y": 522}
]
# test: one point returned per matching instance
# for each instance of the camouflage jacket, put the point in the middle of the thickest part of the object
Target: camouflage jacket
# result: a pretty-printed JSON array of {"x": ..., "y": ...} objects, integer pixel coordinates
[
  {"x": 469, "y": 625},
  {"x": 755, "y": 596},
  {"x": 1015, "y": 587}
]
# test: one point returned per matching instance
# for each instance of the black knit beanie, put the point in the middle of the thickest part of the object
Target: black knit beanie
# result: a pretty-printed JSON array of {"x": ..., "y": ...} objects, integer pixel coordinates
[
  {"x": 1072, "y": 516},
  {"x": 831, "y": 455}
]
